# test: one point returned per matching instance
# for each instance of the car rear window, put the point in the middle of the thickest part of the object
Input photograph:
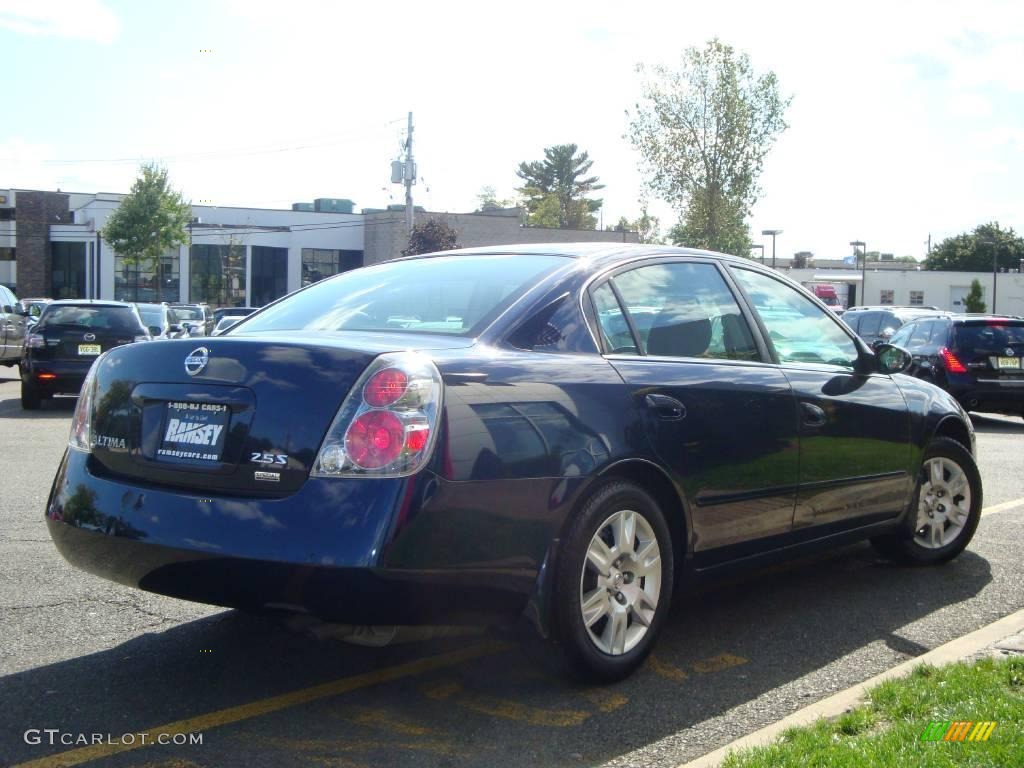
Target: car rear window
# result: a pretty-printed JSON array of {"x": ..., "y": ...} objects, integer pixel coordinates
[
  {"x": 458, "y": 295},
  {"x": 992, "y": 337},
  {"x": 189, "y": 313},
  {"x": 113, "y": 319}
]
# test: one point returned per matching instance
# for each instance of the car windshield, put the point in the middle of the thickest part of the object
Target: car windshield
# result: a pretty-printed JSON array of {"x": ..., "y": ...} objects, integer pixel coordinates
[
  {"x": 994, "y": 337},
  {"x": 112, "y": 319},
  {"x": 189, "y": 313},
  {"x": 456, "y": 295},
  {"x": 151, "y": 315}
]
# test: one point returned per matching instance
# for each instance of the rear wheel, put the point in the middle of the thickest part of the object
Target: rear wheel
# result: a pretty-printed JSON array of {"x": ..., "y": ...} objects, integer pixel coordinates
[
  {"x": 613, "y": 584},
  {"x": 30, "y": 397},
  {"x": 946, "y": 508}
]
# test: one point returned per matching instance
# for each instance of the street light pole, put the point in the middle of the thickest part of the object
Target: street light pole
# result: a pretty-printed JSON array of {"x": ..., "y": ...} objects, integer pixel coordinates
[
  {"x": 863, "y": 269},
  {"x": 773, "y": 233},
  {"x": 995, "y": 270}
]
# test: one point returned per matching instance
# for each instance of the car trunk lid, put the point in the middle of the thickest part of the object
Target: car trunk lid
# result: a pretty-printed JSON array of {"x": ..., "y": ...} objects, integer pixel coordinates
[{"x": 232, "y": 415}]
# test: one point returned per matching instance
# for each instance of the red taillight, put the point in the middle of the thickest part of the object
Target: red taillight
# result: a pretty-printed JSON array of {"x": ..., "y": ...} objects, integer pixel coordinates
[
  {"x": 387, "y": 425},
  {"x": 385, "y": 387},
  {"x": 375, "y": 439},
  {"x": 953, "y": 364}
]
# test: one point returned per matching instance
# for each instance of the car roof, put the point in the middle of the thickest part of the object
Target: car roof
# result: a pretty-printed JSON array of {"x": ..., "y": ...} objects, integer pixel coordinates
[
  {"x": 88, "y": 303},
  {"x": 966, "y": 317}
]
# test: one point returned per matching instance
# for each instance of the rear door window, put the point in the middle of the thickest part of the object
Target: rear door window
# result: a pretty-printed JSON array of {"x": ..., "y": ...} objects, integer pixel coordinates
[
  {"x": 902, "y": 337},
  {"x": 683, "y": 309},
  {"x": 922, "y": 332}
]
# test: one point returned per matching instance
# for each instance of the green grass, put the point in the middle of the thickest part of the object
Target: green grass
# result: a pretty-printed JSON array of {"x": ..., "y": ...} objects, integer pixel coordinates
[{"x": 886, "y": 730}]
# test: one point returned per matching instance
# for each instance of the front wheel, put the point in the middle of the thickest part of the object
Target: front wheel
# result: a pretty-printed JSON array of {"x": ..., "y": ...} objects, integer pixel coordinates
[
  {"x": 613, "y": 584},
  {"x": 946, "y": 508}
]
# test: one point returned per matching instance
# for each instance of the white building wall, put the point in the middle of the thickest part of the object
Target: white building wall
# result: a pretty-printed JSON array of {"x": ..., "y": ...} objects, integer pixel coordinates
[{"x": 940, "y": 288}]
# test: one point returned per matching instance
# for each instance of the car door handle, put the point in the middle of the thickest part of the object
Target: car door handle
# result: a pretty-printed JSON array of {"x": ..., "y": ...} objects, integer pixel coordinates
[
  {"x": 666, "y": 407},
  {"x": 813, "y": 416}
]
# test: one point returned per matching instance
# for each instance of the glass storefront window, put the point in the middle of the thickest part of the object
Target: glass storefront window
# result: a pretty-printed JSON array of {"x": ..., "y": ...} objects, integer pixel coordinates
[
  {"x": 146, "y": 281},
  {"x": 318, "y": 263},
  {"x": 217, "y": 275}
]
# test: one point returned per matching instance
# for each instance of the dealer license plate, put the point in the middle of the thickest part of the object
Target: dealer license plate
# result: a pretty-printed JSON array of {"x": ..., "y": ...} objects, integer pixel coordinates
[
  {"x": 1009, "y": 362},
  {"x": 193, "y": 432},
  {"x": 89, "y": 349}
]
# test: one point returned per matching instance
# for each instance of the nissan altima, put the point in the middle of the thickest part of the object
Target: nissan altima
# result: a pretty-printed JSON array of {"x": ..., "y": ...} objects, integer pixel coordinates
[{"x": 565, "y": 433}]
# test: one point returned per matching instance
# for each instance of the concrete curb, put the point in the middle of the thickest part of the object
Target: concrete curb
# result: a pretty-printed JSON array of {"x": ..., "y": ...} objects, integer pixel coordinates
[{"x": 838, "y": 703}]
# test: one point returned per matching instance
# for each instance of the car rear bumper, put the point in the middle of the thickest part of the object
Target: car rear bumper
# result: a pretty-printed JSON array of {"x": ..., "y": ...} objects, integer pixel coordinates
[
  {"x": 998, "y": 396},
  {"x": 57, "y": 376},
  {"x": 361, "y": 552}
]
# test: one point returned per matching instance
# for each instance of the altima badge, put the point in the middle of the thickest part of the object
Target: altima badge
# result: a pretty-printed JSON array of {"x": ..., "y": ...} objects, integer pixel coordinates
[
  {"x": 273, "y": 477},
  {"x": 196, "y": 361}
]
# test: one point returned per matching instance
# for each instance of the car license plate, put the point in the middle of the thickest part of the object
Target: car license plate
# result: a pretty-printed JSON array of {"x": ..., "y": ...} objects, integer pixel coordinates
[
  {"x": 1009, "y": 362},
  {"x": 193, "y": 432},
  {"x": 89, "y": 349}
]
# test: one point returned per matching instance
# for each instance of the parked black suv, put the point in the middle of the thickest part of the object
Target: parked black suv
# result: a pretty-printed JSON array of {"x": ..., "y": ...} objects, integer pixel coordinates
[
  {"x": 69, "y": 336},
  {"x": 877, "y": 324},
  {"x": 976, "y": 358}
]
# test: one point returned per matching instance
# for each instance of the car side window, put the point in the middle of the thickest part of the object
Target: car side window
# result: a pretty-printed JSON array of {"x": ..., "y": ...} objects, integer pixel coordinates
[
  {"x": 617, "y": 337},
  {"x": 902, "y": 337},
  {"x": 684, "y": 309},
  {"x": 800, "y": 331},
  {"x": 922, "y": 332},
  {"x": 852, "y": 320},
  {"x": 870, "y": 324},
  {"x": 940, "y": 332}
]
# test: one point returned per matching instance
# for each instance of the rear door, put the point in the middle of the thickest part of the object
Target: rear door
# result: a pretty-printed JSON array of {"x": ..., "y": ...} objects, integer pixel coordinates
[
  {"x": 855, "y": 452},
  {"x": 720, "y": 418}
]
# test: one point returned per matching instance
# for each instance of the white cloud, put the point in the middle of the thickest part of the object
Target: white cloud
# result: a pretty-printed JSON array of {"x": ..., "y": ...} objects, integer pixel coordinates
[{"x": 80, "y": 19}]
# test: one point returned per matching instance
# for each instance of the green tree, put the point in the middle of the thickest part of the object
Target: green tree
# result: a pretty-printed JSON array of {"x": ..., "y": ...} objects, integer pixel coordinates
[
  {"x": 560, "y": 180},
  {"x": 432, "y": 235},
  {"x": 647, "y": 227},
  {"x": 703, "y": 131},
  {"x": 974, "y": 251},
  {"x": 725, "y": 231},
  {"x": 488, "y": 200},
  {"x": 973, "y": 300},
  {"x": 150, "y": 221}
]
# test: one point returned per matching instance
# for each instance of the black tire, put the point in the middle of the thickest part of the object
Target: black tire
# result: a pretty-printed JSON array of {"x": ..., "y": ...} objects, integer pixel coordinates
[
  {"x": 571, "y": 639},
  {"x": 30, "y": 397},
  {"x": 904, "y": 545}
]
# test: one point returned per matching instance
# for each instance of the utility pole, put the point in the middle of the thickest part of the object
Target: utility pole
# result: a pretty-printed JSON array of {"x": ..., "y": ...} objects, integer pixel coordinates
[{"x": 410, "y": 176}]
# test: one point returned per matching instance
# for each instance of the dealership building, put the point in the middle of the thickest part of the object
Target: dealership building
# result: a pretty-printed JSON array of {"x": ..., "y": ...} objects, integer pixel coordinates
[{"x": 51, "y": 246}]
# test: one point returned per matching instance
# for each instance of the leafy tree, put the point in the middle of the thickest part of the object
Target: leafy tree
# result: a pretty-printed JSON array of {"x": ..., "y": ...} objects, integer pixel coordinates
[
  {"x": 973, "y": 251},
  {"x": 489, "y": 200},
  {"x": 432, "y": 235},
  {"x": 560, "y": 180},
  {"x": 646, "y": 226},
  {"x": 725, "y": 231},
  {"x": 973, "y": 300},
  {"x": 150, "y": 221},
  {"x": 702, "y": 132}
]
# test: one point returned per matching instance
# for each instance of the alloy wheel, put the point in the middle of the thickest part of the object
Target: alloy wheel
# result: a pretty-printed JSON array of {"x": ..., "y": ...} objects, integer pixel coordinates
[
  {"x": 621, "y": 582},
  {"x": 944, "y": 505}
]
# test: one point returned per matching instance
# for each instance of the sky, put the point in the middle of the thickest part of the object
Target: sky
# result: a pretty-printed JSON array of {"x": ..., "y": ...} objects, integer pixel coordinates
[{"x": 907, "y": 118}]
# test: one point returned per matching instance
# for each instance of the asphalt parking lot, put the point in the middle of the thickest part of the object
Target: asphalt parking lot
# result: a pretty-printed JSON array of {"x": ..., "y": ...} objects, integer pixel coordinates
[{"x": 87, "y": 657}]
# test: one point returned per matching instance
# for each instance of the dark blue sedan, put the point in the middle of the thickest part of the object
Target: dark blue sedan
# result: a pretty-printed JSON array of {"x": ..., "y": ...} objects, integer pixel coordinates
[{"x": 564, "y": 432}]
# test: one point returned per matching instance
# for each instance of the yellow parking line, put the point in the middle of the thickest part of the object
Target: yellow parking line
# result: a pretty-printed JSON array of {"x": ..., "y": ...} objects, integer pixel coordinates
[
  {"x": 510, "y": 710},
  {"x": 659, "y": 667},
  {"x": 381, "y": 718},
  {"x": 1005, "y": 506},
  {"x": 253, "y": 709},
  {"x": 718, "y": 663}
]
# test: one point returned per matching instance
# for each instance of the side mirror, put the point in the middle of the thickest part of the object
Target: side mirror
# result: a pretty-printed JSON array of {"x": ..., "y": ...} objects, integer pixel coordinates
[
  {"x": 175, "y": 328},
  {"x": 154, "y": 330},
  {"x": 892, "y": 359},
  {"x": 9, "y": 308}
]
